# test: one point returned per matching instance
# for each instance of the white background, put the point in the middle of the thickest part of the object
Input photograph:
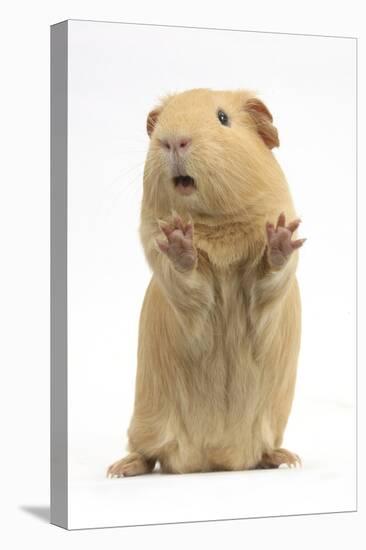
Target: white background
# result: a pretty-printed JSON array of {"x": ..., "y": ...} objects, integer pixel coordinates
[
  {"x": 25, "y": 288},
  {"x": 113, "y": 84}
]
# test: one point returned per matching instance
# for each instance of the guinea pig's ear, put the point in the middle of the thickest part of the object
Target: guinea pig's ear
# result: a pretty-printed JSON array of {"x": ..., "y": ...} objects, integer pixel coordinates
[
  {"x": 263, "y": 121},
  {"x": 152, "y": 119}
]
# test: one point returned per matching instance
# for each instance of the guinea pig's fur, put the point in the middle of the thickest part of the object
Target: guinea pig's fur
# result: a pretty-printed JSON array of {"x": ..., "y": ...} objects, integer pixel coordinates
[{"x": 218, "y": 344}]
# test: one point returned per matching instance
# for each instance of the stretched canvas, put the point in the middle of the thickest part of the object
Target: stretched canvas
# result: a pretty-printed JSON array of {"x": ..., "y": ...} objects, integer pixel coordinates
[{"x": 162, "y": 138}]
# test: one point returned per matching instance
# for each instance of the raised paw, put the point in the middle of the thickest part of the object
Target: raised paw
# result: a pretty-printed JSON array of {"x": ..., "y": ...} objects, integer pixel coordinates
[
  {"x": 131, "y": 465},
  {"x": 280, "y": 245},
  {"x": 178, "y": 246},
  {"x": 275, "y": 458}
]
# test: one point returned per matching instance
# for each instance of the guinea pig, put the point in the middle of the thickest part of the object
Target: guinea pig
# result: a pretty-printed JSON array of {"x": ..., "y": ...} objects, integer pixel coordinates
[{"x": 219, "y": 331}]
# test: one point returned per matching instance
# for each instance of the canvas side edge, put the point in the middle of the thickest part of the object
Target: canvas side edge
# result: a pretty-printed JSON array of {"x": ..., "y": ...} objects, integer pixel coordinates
[{"x": 58, "y": 298}]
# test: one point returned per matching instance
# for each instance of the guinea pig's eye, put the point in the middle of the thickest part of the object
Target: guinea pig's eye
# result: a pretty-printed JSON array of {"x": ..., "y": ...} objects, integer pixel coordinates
[{"x": 223, "y": 118}]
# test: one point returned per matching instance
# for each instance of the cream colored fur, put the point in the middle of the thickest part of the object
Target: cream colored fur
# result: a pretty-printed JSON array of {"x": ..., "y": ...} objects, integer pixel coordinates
[{"x": 218, "y": 343}]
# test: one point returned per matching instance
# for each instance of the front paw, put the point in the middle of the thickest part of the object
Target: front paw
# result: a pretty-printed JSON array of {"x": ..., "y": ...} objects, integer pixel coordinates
[
  {"x": 279, "y": 243},
  {"x": 178, "y": 246}
]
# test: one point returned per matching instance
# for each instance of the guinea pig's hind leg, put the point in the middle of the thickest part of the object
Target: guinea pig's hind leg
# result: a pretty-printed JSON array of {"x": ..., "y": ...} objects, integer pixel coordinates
[
  {"x": 133, "y": 464},
  {"x": 275, "y": 458}
]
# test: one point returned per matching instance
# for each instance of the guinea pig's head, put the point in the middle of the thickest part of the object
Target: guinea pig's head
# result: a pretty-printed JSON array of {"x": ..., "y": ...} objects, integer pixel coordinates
[{"x": 210, "y": 152}]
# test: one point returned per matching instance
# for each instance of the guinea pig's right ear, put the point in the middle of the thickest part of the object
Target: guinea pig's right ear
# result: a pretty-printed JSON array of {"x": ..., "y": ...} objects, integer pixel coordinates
[
  {"x": 152, "y": 119},
  {"x": 263, "y": 121}
]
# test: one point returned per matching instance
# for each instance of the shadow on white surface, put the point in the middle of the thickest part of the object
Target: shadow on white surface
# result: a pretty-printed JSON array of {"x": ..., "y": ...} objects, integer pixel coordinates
[{"x": 40, "y": 512}]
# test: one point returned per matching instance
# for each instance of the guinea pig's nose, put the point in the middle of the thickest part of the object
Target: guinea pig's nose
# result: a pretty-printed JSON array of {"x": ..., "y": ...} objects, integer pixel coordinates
[{"x": 178, "y": 144}]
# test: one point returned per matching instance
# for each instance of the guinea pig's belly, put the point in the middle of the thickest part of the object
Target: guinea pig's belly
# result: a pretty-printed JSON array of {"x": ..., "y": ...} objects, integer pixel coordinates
[{"x": 212, "y": 425}]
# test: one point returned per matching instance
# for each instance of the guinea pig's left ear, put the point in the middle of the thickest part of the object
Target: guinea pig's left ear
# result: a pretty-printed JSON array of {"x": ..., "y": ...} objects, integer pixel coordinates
[
  {"x": 263, "y": 121},
  {"x": 152, "y": 119}
]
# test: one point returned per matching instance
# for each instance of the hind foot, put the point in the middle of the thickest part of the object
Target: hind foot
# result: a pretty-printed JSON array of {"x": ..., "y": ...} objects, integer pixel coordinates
[
  {"x": 133, "y": 464},
  {"x": 275, "y": 458}
]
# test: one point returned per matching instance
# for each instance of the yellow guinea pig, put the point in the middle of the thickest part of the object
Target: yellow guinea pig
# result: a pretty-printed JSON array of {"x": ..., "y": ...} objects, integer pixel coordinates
[{"x": 220, "y": 325}]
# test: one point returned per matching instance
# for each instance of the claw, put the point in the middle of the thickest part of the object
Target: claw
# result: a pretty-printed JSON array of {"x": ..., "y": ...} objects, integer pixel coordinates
[
  {"x": 298, "y": 243},
  {"x": 165, "y": 227},
  {"x": 281, "y": 220},
  {"x": 292, "y": 226}
]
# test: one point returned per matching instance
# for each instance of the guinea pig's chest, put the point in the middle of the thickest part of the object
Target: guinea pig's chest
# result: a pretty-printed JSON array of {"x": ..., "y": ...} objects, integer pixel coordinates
[
  {"x": 227, "y": 246},
  {"x": 230, "y": 250},
  {"x": 228, "y": 285},
  {"x": 230, "y": 312}
]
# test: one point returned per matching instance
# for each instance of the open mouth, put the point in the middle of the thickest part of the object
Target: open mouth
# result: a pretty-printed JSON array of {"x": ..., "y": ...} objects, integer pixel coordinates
[{"x": 184, "y": 184}]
